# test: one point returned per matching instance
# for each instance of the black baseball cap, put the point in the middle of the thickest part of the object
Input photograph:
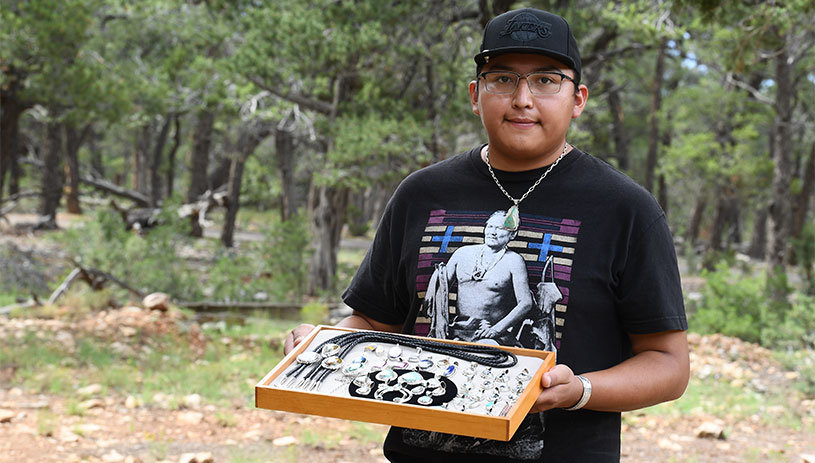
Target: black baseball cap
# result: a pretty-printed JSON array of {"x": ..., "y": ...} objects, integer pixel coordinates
[{"x": 530, "y": 31}]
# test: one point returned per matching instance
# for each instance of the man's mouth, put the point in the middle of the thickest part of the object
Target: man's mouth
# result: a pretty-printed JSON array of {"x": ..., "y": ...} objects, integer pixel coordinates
[{"x": 521, "y": 122}]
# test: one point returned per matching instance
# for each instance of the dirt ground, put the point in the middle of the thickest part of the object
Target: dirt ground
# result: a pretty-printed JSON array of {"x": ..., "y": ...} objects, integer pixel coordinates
[
  {"x": 112, "y": 428},
  {"x": 112, "y": 432}
]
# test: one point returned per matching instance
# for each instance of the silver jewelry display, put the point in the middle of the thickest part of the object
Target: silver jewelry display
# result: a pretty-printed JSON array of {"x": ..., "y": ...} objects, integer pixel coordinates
[
  {"x": 512, "y": 221},
  {"x": 408, "y": 370}
]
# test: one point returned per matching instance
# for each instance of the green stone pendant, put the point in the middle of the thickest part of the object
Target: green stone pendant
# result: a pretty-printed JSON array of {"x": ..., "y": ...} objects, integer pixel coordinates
[{"x": 513, "y": 218}]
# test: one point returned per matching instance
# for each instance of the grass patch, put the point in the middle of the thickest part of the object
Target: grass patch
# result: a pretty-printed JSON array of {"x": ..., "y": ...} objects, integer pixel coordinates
[
  {"x": 723, "y": 399},
  {"x": 223, "y": 373},
  {"x": 366, "y": 433},
  {"x": 46, "y": 422}
]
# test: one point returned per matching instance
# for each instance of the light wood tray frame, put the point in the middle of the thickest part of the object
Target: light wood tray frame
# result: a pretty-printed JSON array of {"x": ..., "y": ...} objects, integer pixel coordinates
[{"x": 403, "y": 415}]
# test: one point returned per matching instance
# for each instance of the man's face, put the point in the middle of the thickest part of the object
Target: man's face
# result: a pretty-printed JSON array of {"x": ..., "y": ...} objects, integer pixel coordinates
[
  {"x": 495, "y": 235},
  {"x": 525, "y": 130}
]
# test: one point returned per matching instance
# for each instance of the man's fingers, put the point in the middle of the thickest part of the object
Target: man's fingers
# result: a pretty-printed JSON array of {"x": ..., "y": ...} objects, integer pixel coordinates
[
  {"x": 559, "y": 374},
  {"x": 296, "y": 336}
]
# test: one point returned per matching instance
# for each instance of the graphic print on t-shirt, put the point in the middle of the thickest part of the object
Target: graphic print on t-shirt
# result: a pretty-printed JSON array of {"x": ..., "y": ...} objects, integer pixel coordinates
[
  {"x": 491, "y": 273},
  {"x": 484, "y": 283}
]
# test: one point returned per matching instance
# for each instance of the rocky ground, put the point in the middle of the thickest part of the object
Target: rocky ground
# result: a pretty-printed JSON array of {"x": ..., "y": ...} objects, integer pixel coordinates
[
  {"x": 118, "y": 428},
  {"x": 96, "y": 424}
]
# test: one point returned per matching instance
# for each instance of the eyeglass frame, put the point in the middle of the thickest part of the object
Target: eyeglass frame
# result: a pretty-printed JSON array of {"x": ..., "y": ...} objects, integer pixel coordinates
[{"x": 525, "y": 77}]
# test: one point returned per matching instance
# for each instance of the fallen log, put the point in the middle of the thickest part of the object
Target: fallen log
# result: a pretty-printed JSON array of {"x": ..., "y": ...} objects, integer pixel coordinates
[
  {"x": 112, "y": 188},
  {"x": 20, "y": 305},
  {"x": 94, "y": 277},
  {"x": 65, "y": 285},
  {"x": 100, "y": 184},
  {"x": 13, "y": 201}
]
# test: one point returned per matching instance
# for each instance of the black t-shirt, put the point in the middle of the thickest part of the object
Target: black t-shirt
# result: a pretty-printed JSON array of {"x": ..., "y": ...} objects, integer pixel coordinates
[{"x": 599, "y": 263}]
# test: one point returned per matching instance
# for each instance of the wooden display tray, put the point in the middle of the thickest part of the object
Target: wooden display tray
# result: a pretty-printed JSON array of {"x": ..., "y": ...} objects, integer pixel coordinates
[{"x": 403, "y": 415}]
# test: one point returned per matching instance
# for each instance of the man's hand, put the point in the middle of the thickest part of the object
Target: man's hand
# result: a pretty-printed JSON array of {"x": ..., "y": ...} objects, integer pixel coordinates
[
  {"x": 296, "y": 336},
  {"x": 561, "y": 389},
  {"x": 485, "y": 331}
]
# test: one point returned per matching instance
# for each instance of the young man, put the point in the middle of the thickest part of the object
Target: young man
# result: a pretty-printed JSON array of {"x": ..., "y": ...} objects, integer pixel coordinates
[{"x": 595, "y": 244}]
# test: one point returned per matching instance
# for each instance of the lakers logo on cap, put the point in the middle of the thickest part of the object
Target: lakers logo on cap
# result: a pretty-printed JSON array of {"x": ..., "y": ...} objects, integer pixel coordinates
[{"x": 526, "y": 27}]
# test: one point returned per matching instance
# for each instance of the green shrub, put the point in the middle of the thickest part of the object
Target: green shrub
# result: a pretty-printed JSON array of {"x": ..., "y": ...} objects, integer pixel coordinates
[
  {"x": 275, "y": 266},
  {"x": 730, "y": 305},
  {"x": 314, "y": 313},
  {"x": 150, "y": 262},
  {"x": 804, "y": 254},
  {"x": 737, "y": 305}
]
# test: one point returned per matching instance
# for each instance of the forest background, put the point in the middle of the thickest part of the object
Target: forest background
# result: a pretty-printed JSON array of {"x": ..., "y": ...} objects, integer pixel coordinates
[{"x": 222, "y": 151}]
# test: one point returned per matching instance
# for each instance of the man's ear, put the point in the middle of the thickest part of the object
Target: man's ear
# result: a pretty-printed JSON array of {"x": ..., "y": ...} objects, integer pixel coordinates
[
  {"x": 581, "y": 96},
  {"x": 474, "y": 96}
]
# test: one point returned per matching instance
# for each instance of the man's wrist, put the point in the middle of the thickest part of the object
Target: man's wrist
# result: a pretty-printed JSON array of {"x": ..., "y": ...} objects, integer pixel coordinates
[{"x": 584, "y": 397}]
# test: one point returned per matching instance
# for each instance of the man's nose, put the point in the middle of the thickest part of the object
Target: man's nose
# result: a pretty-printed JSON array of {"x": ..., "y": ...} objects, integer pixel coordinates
[{"x": 522, "y": 97}]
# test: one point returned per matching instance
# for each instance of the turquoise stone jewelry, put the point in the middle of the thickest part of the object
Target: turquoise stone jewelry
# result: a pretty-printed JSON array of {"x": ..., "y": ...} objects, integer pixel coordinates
[
  {"x": 387, "y": 375},
  {"x": 512, "y": 220},
  {"x": 353, "y": 369}
]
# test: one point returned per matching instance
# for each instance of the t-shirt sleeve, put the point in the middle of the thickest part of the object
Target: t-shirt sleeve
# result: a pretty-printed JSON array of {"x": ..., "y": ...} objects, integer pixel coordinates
[
  {"x": 374, "y": 290},
  {"x": 649, "y": 291}
]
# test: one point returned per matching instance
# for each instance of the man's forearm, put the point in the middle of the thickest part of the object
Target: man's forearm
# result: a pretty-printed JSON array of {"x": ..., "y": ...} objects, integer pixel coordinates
[
  {"x": 359, "y": 321},
  {"x": 653, "y": 375}
]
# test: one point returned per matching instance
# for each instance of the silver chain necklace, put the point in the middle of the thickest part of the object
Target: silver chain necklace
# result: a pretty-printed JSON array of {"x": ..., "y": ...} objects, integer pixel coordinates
[{"x": 512, "y": 220}]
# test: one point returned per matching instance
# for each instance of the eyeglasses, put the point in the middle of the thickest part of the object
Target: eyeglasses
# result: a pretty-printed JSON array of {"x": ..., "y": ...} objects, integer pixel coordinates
[{"x": 540, "y": 83}]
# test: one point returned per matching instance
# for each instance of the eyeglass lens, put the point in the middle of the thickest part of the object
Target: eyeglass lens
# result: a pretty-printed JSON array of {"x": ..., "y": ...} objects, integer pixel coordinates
[{"x": 540, "y": 83}]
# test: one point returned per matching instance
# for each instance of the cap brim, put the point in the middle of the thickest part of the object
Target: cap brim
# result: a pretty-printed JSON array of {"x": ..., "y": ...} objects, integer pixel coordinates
[{"x": 481, "y": 58}]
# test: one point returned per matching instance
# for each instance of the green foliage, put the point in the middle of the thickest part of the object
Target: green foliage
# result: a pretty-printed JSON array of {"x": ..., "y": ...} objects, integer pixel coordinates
[
  {"x": 275, "y": 266},
  {"x": 373, "y": 147},
  {"x": 737, "y": 305},
  {"x": 314, "y": 313},
  {"x": 804, "y": 253},
  {"x": 23, "y": 274},
  {"x": 151, "y": 262},
  {"x": 730, "y": 305},
  {"x": 803, "y": 363}
]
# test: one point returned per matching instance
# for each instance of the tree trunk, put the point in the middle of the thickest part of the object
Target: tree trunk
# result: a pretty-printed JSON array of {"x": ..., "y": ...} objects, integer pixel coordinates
[
  {"x": 249, "y": 138},
  {"x": 202, "y": 140},
  {"x": 73, "y": 140},
  {"x": 155, "y": 162},
  {"x": 618, "y": 126},
  {"x": 802, "y": 203},
  {"x": 780, "y": 203},
  {"x": 327, "y": 207},
  {"x": 52, "y": 176},
  {"x": 140, "y": 157},
  {"x": 717, "y": 231},
  {"x": 220, "y": 175},
  {"x": 233, "y": 204},
  {"x": 656, "y": 103},
  {"x": 662, "y": 194},
  {"x": 758, "y": 242},
  {"x": 11, "y": 108},
  {"x": 696, "y": 219},
  {"x": 284, "y": 149},
  {"x": 171, "y": 155},
  {"x": 16, "y": 172},
  {"x": 97, "y": 163}
]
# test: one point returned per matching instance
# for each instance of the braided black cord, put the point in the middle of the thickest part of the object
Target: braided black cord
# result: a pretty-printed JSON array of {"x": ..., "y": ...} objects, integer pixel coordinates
[{"x": 484, "y": 355}]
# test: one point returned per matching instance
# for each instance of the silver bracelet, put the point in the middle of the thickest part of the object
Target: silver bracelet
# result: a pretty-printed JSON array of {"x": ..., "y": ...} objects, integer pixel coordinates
[{"x": 584, "y": 399}]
